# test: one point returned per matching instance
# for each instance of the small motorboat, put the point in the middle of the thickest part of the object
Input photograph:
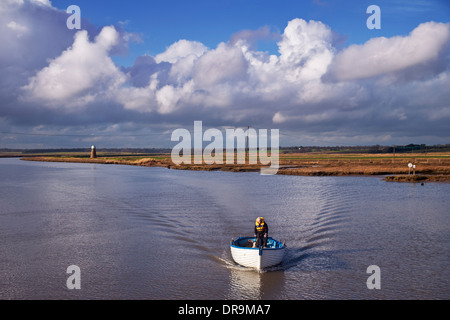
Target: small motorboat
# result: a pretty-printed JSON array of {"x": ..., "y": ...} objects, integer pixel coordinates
[{"x": 245, "y": 254}]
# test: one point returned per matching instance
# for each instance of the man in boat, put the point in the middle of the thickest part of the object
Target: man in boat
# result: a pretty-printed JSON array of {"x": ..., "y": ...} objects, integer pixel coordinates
[{"x": 261, "y": 232}]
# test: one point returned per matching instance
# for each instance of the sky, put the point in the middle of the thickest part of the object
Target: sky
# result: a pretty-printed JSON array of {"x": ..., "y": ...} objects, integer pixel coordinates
[{"x": 137, "y": 70}]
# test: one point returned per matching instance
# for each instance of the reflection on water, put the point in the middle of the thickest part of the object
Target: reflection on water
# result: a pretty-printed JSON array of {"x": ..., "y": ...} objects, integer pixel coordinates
[
  {"x": 153, "y": 233},
  {"x": 246, "y": 284}
]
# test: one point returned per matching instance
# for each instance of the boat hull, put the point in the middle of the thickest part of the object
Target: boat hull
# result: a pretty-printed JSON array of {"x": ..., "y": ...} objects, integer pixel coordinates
[{"x": 257, "y": 258}]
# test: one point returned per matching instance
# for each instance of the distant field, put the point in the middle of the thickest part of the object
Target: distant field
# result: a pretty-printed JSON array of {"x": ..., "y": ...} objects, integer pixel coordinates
[
  {"x": 430, "y": 167},
  {"x": 363, "y": 156}
]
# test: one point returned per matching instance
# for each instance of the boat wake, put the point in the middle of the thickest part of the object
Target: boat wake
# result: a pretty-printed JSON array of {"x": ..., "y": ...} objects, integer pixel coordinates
[{"x": 315, "y": 249}]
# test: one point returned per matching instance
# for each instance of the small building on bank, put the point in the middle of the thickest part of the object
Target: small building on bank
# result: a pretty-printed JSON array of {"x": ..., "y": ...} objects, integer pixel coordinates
[{"x": 93, "y": 152}]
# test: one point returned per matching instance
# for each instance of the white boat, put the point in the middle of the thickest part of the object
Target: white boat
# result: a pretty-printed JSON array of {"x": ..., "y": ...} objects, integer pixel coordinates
[{"x": 259, "y": 258}]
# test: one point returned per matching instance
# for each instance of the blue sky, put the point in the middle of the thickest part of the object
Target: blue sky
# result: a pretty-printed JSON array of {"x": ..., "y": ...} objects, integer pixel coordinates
[
  {"x": 161, "y": 23},
  {"x": 139, "y": 69}
]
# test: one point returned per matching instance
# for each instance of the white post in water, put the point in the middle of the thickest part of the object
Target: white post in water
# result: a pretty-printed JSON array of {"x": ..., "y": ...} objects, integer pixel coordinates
[{"x": 93, "y": 152}]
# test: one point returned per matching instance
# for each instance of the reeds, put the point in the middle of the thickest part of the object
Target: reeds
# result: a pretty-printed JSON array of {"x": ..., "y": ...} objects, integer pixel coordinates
[{"x": 437, "y": 165}]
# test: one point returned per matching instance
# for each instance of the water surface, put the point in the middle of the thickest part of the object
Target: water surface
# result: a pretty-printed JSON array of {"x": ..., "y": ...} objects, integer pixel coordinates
[{"x": 155, "y": 233}]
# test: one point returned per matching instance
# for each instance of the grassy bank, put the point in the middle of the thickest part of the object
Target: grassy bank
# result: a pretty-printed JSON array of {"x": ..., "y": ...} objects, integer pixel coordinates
[
  {"x": 430, "y": 167},
  {"x": 418, "y": 178}
]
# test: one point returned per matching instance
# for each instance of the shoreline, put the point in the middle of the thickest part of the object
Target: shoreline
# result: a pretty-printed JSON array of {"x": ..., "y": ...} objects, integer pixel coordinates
[{"x": 429, "y": 170}]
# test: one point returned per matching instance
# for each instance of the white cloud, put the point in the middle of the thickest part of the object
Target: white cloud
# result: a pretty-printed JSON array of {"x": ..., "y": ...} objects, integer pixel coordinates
[
  {"x": 181, "y": 49},
  {"x": 236, "y": 78},
  {"x": 46, "y": 3},
  {"x": 17, "y": 27},
  {"x": 141, "y": 99},
  {"x": 225, "y": 63},
  {"x": 279, "y": 118},
  {"x": 307, "y": 48},
  {"x": 394, "y": 84},
  {"x": 182, "y": 56},
  {"x": 251, "y": 37},
  {"x": 78, "y": 71},
  {"x": 380, "y": 56},
  {"x": 8, "y": 4}
]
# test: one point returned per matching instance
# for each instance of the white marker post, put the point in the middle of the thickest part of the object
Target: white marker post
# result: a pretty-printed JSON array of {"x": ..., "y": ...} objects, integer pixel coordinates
[{"x": 409, "y": 166}]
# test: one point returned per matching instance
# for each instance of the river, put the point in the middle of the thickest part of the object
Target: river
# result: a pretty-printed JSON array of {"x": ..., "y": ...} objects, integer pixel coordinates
[{"x": 155, "y": 233}]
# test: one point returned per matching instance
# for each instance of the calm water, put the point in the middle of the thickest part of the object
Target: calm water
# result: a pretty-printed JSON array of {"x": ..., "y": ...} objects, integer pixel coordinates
[{"x": 153, "y": 233}]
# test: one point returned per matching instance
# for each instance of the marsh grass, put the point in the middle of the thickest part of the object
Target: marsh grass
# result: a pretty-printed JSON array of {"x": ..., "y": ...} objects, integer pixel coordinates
[{"x": 294, "y": 164}]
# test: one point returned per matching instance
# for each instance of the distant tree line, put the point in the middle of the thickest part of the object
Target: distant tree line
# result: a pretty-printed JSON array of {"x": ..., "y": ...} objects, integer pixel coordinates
[
  {"x": 88, "y": 150},
  {"x": 418, "y": 148}
]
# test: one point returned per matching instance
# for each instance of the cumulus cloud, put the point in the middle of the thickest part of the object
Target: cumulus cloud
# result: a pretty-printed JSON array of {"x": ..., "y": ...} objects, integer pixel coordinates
[
  {"x": 20, "y": 29},
  {"x": 381, "y": 56},
  {"x": 251, "y": 37},
  {"x": 144, "y": 67},
  {"x": 182, "y": 56},
  {"x": 180, "y": 50},
  {"x": 46, "y": 3},
  {"x": 81, "y": 67},
  {"x": 220, "y": 65},
  {"x": 384, "y": 86},
  {"x": 307, "y": 46}
]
